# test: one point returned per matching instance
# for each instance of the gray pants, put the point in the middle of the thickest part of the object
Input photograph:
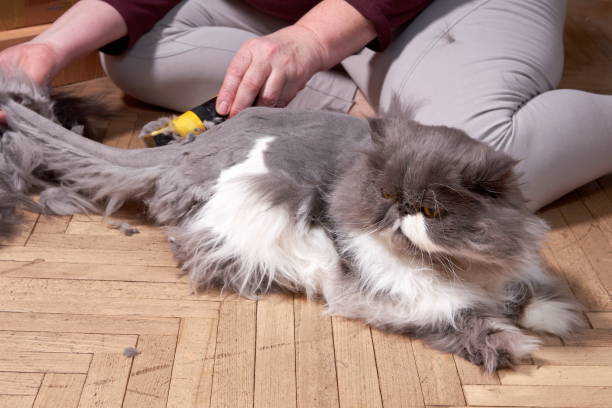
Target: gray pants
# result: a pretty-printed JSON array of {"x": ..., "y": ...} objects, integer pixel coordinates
[{"x": 488, "y": 67}]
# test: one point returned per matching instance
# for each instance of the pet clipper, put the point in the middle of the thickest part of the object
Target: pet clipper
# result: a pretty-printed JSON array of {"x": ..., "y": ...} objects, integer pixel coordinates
[{"x": 192, "y": 122}]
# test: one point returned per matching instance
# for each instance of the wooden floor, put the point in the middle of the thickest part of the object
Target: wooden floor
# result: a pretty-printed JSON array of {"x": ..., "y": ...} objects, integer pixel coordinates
[{"x": 74, "y": 294}]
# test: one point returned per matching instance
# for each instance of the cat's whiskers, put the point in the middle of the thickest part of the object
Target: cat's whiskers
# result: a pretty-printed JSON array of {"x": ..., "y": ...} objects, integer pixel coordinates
[{"x": 450, "y": 268}]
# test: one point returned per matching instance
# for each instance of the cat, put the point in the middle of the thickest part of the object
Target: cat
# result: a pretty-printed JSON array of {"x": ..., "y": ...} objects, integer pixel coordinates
[{"x": 414, "y": 229}]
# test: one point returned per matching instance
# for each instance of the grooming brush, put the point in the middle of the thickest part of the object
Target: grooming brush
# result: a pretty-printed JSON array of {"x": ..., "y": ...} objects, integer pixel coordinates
[{"x": 192, "y": 122}]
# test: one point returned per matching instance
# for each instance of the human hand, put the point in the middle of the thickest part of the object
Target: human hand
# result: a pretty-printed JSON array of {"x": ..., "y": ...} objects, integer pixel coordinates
[
  {"x": 271, "y": 69},
  {"x": 38, "y": 61}
]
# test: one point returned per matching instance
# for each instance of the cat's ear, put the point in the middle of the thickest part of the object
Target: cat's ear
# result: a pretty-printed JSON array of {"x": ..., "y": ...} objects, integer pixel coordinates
[
  {"x": 377, "y": 129},
  {"x": 492, "y": 176}
]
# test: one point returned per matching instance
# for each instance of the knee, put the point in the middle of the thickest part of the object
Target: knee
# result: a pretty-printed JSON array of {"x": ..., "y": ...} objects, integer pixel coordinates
[{"x": 497, "y": 128}]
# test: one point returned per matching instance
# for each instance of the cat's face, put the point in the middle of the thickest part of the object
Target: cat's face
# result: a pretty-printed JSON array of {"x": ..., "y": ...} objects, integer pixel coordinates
[{"x": 436, "y": 192}]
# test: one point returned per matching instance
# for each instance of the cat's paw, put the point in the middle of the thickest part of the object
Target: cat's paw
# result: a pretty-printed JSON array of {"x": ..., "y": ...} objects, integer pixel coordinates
[
  {"x": 555, "y": 316},
  {"x": 501, "y": 346}
]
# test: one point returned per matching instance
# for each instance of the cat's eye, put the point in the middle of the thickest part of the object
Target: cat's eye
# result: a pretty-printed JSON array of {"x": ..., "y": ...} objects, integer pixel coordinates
[
  {"x": 431, "y": 212},
  {"x": 386, "y": 195}
]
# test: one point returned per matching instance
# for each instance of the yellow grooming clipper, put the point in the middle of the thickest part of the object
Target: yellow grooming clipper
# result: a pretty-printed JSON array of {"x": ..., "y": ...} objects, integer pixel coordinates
[{"x": 190, "y": 122}]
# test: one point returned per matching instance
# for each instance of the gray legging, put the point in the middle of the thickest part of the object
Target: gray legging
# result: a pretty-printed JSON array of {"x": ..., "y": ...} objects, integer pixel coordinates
[{"x": 489, "y": 67}]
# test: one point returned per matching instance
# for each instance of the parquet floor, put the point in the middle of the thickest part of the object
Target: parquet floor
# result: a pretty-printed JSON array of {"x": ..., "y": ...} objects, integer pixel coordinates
[{"x": 74, "y": 294}]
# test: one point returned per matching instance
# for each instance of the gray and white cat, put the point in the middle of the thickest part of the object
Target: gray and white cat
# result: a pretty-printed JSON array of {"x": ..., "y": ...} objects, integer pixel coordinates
[{"x": 411, "y": 228}]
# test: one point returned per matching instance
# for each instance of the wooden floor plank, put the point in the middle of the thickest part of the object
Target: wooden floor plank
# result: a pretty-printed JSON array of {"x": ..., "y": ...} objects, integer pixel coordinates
[
  {"x": 16, "y": 401},
  {"x": 100, "y": 305},
  {"x": 87, "y": 256},
  {"x": 48, "y": 224},
  {"x": 116, "y": 242},
  {"x": 438, "y": 376},
  {"x": 120, "y": 129},
  {"x": 129, "y": 213},
  {"x": 24, "y": 231},
  {"x": 106, "y": 381},
  {"x": 28, "y": 287},
  {"x": 72, "y": 323},
  {"x": 315, "y": 371},
  {"x": 591, "y": 235},
  {"x": 539, "y": 396},
  {"x": 63, "y": 270},
  {"x": 51, "y": 342},
  {"x": 191, "y": 381},
  {"x": 36, "y": 362},
  {"x": 574, "y": 264},
  {"x": 275, "y": 353},
  {"x": 397, "y": 372},
  {"x": 595, "y": 337},
  {"x": 470, "y": 374},
  {"x": 606, "y": 184},
  {"x": 234, "y": 368},
  {"x": 598, "y": 203},
  {"x": 149, "y": 379},
  {"x": 600, "y": 320},
  {"x": 587, "y": 376},
  {"x": 358, "y": 384},
  {"x": 60, "y": 390},
  {"x": 577, "y": 356},
  {"x": 87, "y": 228},
  {"x": 20, "y": 383}
]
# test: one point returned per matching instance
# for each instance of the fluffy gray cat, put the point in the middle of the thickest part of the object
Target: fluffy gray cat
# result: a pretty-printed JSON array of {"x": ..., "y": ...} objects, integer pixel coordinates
[{"x": 411, "y": 228}]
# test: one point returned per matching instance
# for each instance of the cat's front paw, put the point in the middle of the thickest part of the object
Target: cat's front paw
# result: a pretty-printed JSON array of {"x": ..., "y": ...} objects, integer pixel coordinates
[
  {"x": 555, "y": 316},
  {"x": 499, "y": 346}
]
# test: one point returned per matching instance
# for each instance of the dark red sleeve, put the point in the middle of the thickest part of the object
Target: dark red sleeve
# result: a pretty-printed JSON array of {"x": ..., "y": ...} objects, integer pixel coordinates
[
  {"x": 139, "y": 16},
  {"x": 387, "y": 16}
]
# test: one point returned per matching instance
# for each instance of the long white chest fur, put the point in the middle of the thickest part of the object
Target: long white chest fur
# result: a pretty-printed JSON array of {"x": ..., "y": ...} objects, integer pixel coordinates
[
  {"x": 265, "y": 238},
  {"x": 413, "y": 291}
]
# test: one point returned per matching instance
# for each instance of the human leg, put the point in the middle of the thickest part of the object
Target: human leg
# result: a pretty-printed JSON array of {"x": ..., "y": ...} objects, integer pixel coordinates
[
  {"x": 490, "y": 67},
  {"x": 181, "y": 62}
]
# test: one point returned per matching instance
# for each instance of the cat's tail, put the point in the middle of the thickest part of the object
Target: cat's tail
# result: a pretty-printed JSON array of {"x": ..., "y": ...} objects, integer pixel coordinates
[{"x": 76, "y": 174}]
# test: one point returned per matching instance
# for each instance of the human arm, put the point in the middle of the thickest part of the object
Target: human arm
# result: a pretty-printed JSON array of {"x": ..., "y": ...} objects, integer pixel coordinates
[
  {"x": 86, "y": 26},
  {"x": 278, "y": 65}
]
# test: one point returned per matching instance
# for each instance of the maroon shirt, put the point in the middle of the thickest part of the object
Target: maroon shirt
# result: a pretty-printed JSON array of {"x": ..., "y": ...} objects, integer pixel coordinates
[{"x": 387, "y": 16}]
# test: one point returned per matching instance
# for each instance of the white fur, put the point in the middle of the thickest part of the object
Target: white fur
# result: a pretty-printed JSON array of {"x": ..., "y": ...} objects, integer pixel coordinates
[
  {"x": 420, "y": 297},
  {"x": 551, "y": 316},
  {"x": 522, "y": 345},
  {"x": 264, "y": 237},
  {"x": 415, "y": 228}
]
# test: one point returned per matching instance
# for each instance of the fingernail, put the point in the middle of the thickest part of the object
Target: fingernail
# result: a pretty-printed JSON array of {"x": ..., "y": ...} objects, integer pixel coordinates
[{"x": 222, "y": 108}]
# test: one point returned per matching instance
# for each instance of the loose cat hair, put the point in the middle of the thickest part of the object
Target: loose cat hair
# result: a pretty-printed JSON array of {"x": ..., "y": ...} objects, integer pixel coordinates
[
  {"x": 72, "y": 112},
  {"x": 414, "y": 229}
]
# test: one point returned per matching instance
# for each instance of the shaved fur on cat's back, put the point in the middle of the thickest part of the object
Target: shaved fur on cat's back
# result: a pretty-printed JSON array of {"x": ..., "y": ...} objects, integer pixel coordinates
[{"x": 412, "y": 228}]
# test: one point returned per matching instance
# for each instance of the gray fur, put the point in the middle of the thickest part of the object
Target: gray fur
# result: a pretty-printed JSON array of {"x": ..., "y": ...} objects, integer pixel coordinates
[
  {"x": 327, "y": 171},
  {"x": 124, "y": 228},
  {"x": 477, "y": 338},
  {"x": 10, "y": 199},
  {"x": 131, "y": 352}
]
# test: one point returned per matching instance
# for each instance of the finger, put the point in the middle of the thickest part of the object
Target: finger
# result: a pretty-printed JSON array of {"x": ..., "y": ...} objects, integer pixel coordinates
[
  {"x": 288, "y": 93},
  {"x": 272, "y": 89},
  {"x": 251, "y": 84},
  {"x": 233, "y": 76}
]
